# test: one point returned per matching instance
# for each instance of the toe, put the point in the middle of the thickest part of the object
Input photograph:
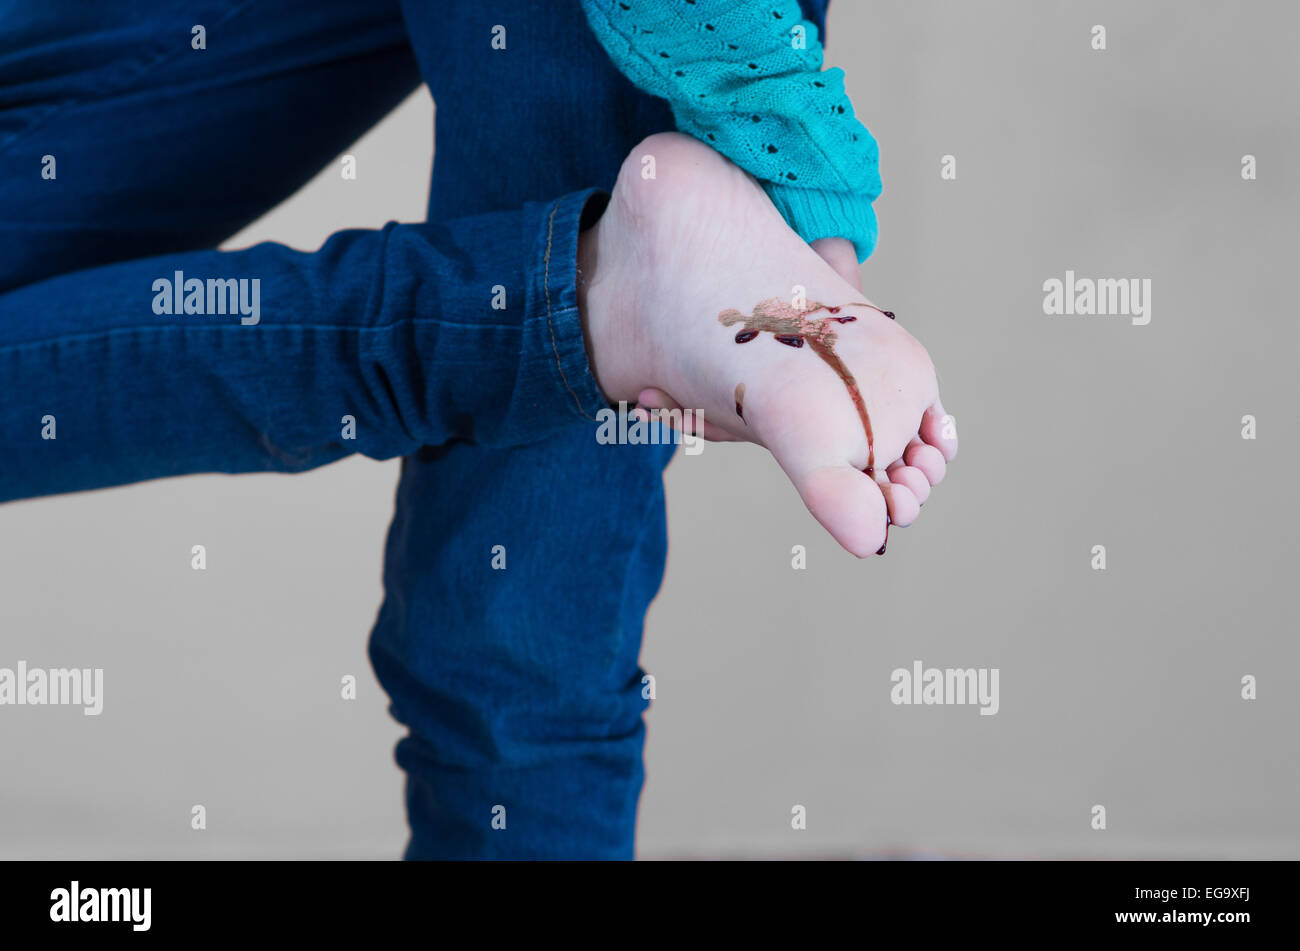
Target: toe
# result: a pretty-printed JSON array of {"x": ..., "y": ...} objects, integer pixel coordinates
[
  {"x": 903, "y": 506},
  {"x": 849, "y": 505},
  {"x": 939, "y": 429},
  {"x": 913, "y": 478},
  {"x": 927, "y": 459}
]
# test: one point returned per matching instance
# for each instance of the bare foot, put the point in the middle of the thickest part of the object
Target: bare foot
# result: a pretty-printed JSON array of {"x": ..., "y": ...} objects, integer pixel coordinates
[{"x": 698, "y": 295}]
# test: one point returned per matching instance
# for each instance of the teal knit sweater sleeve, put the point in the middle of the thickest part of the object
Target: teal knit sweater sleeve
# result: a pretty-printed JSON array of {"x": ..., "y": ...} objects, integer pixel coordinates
[{"x": 745, "y": 76}]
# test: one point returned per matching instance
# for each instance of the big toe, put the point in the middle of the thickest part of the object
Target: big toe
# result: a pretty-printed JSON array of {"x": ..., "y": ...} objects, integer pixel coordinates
[
  {"x": 939, "y": 429},
  {"x": 848, "y": 504}
]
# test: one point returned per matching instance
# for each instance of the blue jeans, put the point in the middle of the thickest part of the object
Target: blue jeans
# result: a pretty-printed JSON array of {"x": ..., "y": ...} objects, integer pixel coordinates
[{"x": 129, "y": 350}]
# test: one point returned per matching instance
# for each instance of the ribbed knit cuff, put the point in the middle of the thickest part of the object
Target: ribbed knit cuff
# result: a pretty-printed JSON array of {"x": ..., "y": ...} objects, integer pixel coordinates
[{"x": 814, "y": 214}]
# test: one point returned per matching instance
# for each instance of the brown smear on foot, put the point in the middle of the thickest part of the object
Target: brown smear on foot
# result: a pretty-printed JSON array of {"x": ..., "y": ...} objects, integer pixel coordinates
[{"x": 794, "y": 327}]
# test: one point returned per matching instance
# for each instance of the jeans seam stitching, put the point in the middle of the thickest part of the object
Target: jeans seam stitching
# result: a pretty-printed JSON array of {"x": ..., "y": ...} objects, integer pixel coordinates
[{"x": 546, "y": 289}]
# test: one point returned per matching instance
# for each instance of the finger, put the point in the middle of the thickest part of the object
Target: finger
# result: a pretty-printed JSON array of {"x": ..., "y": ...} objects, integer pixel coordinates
[
  {"x": 670, "y": 414},
  {"x": 654, "y": 398},
  {"x": 839, "y": 254},
  {"x": 707, "y": 430}
]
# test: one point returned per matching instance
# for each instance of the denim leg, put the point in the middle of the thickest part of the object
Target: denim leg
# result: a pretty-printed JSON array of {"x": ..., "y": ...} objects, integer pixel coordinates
[
  {"x": 520, "y": 683},
  {"x": 156, "y": 147},
  {"x": 380, "y": 342}
]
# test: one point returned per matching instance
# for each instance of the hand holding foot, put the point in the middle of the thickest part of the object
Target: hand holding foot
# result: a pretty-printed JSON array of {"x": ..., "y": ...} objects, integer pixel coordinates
[{"x": 698, "y": 295}]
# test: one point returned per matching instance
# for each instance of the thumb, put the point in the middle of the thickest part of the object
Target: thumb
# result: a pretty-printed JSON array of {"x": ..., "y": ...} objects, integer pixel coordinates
[{"x": 839, "y": 254}]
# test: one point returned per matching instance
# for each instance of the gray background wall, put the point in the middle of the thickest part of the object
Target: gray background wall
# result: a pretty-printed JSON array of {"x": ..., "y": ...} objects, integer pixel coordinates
[{"x": 1119, "y": 688}]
